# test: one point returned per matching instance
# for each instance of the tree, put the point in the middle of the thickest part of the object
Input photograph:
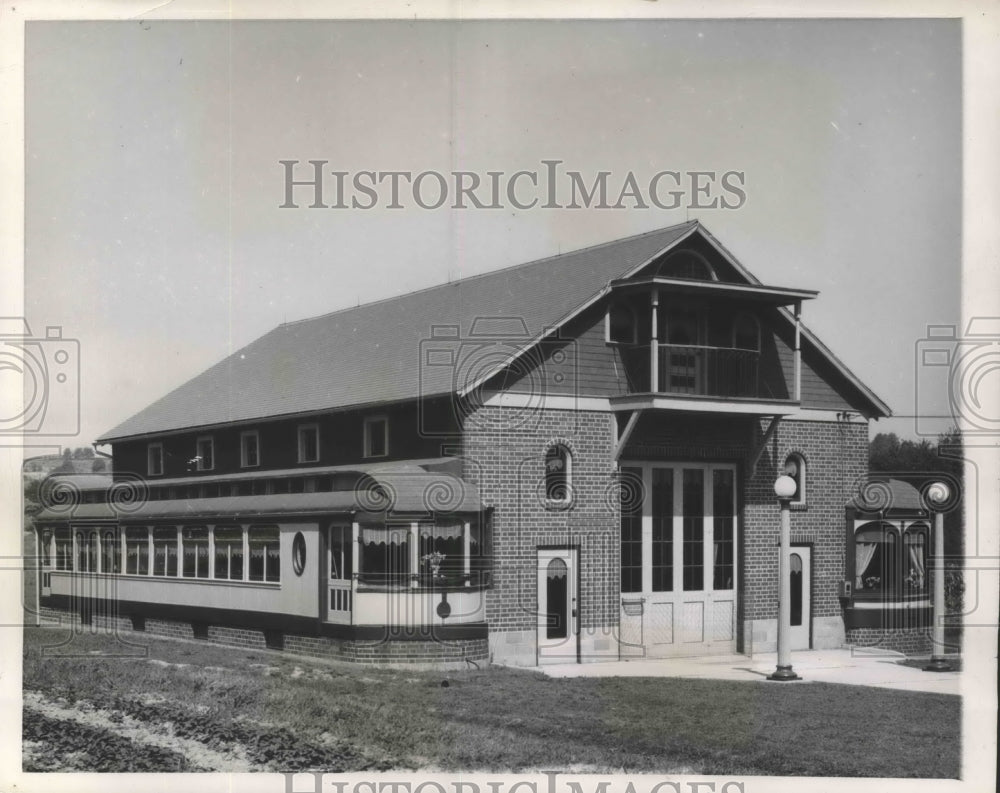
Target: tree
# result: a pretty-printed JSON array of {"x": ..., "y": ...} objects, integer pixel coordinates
[
  {"x": 920, "y": 462},
  {"x": 66, "y": 466}
]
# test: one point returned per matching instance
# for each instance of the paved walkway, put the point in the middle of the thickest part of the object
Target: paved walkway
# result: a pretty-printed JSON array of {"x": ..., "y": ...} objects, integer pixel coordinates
[{"x": 857, "y": 667}]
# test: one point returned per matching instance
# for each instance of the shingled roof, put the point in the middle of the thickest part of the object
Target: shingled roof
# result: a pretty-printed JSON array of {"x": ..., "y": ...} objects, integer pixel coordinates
[{"x": 370, "y": 354}]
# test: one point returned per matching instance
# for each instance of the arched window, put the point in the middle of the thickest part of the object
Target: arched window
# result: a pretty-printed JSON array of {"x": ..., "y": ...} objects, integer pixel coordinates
[
  {"x": 876, "y": 560},
  {"x": 622, "y": 326},
  {"x": 795, "y": 467},
  {"x": 558, "y": 475},
  {"x": 746, "y": 333},
  {"x": 686, "y": 264}
]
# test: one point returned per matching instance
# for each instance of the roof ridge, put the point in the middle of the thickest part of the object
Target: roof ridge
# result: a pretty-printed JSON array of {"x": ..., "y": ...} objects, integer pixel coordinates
[{"x": 499, "y": 270}]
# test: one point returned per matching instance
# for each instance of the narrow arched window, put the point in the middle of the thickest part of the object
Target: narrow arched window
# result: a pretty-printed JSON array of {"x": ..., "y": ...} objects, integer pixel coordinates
[
  {"x": 558, "y": 475},
  {"x": 795, "y": 467}
]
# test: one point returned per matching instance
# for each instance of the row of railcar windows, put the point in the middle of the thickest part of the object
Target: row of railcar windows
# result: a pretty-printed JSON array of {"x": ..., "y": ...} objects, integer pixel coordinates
[{"x": 240, "y": 553}]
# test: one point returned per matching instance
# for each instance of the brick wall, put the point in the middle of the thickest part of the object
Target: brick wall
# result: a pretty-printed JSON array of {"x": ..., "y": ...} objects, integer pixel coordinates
[
  {"x": 396, "y": 652},
  {"x": 911, "y": 641},
  {"x": 504, "y": 451},
  {"x": 836, "y": 456}
]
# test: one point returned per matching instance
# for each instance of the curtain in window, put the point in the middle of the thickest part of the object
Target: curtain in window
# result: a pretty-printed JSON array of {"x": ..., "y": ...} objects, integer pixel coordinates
[
  {"x": 377, "y": 535},
  {"x": 863, "y": 553},
  {"x": 443, "y": 530},
  {"x": 915, "y": 552}
]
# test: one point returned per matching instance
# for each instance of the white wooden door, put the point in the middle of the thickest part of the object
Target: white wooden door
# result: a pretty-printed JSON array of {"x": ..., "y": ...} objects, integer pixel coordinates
[
  {"x": 558, "y": 631},
  {"x": 679, "y": 561},
  {"x": 340, "y": 558},
  {"x": 799, "y": 571}
]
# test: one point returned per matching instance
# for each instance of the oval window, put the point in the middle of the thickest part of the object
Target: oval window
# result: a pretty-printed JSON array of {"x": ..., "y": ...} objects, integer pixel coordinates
[{"x": 299, "y": 553}]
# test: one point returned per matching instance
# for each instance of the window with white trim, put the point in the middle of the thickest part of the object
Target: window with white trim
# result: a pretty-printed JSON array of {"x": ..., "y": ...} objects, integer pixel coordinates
[
  {"x": 64, "y": 549},
  {"x": 165, "y": 551},
  {"x": 265, "y": 553},
  {"x": 154, "y": 459},
  {"x": 194, "y": 551},
  {"x": 376, "y": 436},
  {"x": 205, "y": 453},
  {"x": 111, "y": 558},
  {"x": 887, "y": 569},
  {"x": 249, "y": 449},
  {"x": 795, "y": 467},
  {"x": 137, "y": 550},
  {"x": 86, "y": 551},
  {"x": 308, "y": 442},
  {"x": 229, "y": 552}
]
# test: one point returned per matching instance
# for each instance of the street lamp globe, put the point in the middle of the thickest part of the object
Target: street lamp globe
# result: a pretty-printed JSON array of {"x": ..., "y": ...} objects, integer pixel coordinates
[
  {"x": 938, "y": 493},
  {"x": 784, "y": 487}
]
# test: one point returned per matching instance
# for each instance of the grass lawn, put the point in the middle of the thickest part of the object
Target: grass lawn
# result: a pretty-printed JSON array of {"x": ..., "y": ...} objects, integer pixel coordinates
[{"x": 193, "y": 706}]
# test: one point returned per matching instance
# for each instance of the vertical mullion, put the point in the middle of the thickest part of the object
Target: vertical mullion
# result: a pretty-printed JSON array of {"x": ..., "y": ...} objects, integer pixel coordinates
[
  {"x": 678, "y": 529},
  {"x": 708, "y": 496},
  {"x": 647, "y": 529}
]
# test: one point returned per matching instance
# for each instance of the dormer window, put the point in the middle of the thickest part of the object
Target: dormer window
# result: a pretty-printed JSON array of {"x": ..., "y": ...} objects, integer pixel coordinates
[
  {"x": 308, "y": 443},
  {"x": 205, "y": 453},
  {"x": 154, "y": 459},
  {"x": 621, "y": 325},
  {"x": 249, "y": 449},
  {"x": 376, "y": 436},
  {"x": 687, "y": 264}
]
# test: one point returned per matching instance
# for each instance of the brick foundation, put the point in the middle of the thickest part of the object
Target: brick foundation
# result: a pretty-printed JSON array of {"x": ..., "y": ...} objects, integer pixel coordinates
[
  {"x": 457, "y": 651},
  {"x": 909, "y": 641}
]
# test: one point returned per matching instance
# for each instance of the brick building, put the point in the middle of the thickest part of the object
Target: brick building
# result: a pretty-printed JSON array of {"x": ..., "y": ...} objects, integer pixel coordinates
[{"x": 568, "y": 460}]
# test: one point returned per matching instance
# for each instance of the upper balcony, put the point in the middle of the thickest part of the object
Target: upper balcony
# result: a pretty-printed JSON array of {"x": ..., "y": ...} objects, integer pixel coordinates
[{"x": 705, "y": 345}]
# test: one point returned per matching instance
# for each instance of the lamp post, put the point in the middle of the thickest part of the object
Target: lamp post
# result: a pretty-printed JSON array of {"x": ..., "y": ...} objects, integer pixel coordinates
[
  {"x": 784, "y": 489},
  {"x": 938, "y": 494}
]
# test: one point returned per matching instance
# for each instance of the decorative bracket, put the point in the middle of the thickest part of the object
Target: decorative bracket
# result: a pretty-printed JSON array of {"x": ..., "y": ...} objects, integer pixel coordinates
[
  {"x": 759, "y": 450},
  {"x": 627, "y": 433}
]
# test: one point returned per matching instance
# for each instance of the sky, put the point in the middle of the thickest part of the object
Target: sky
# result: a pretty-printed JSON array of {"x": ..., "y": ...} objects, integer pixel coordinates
[{"x": 154, "y": 234}]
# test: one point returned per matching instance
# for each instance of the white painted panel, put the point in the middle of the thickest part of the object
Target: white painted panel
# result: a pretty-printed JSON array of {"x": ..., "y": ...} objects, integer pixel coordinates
[{"x": 723, "y": 620}]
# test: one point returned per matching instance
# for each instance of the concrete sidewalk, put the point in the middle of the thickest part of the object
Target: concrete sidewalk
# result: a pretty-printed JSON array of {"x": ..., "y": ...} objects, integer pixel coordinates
[{"x": 858, "y": 667}]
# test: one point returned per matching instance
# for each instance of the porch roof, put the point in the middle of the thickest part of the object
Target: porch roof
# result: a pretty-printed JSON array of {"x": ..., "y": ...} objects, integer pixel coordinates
[
  {"x": 759, "y": 293},
  {"x": 403, "y": 490}
]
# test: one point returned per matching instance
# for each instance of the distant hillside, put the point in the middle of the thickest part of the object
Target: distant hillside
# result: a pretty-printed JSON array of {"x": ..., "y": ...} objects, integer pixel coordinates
[{"x": 78, "y": 461}]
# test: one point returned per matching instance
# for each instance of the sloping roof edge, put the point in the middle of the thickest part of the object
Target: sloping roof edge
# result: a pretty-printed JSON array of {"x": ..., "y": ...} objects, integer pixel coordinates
[
  {"x": 577, "y": 311},
  {"x": 696, "y": 225}
]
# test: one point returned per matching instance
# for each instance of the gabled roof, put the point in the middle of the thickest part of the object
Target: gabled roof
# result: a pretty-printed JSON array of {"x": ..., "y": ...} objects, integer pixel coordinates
[{"x": 373, "y": 354}]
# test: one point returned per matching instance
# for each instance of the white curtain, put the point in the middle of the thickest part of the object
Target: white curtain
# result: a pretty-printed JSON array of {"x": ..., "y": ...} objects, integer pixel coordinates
[
  {"x": 378, "y": 535},
  {"x": 863, "y": 553},
  {"x": 444, "y": 530},
  {"x": 917, "y": 562}
]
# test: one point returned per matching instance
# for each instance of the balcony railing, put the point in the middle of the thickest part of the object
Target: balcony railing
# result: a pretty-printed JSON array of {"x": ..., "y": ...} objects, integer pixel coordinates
[{"x": 695, "y": 370}]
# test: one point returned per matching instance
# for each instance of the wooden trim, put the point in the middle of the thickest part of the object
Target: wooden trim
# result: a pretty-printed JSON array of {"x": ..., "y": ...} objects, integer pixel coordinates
[{"x": 287, "y": 623}]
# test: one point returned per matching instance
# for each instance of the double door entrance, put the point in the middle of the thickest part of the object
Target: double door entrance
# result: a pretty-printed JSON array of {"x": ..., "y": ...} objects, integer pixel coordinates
[{"x": 678, "y": 559}]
